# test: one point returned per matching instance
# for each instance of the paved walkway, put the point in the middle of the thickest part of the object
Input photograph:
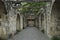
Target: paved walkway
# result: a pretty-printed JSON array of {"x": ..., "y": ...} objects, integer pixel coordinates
[{"x": 30, "y": 33}]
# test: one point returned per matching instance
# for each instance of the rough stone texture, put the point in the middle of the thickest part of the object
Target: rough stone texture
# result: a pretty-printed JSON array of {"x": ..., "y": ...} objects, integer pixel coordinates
[
  {"x": 25, "y": 22},
  {"x": 12, "y": 22},
  {"x": 2, "y": 20},
  {"x": 48, "y": 14},
  {"x": 40, "y": 22},
  {"x": 18, "y": 22},
  {"x": 30, "y": 33},
  {"x": 21, "y": 21},
  {"x": 51, "y": 21},
  {"x": 56, "y": 18}
]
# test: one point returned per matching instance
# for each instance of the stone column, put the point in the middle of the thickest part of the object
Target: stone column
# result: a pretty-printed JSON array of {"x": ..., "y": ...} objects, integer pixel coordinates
[
  {"x": 21, "y": 21},
  {"x": 12, "y": 21},
  {"x": 48, "y": 19},
  {"x": 45, "y": 22},
  {"x": 25, "y": 22},
  {"x": 40, "y": 21},
  {"x": 36, "y": 23},
  {"x": 5, "y": 28}
]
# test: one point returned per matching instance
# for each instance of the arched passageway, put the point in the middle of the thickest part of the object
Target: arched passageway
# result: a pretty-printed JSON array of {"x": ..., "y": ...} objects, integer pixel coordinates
[
  {"x": 42, "y": 21},
  {"x": 55, "y": 19},
  {"x": 18, "y": 23},
  {"x": 31, "y": 21}
]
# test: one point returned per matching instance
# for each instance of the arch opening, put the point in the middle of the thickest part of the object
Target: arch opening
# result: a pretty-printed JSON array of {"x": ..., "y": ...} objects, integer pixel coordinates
[
  {"x": 56, "y": 18},
  {"x": 18, "y": 23}
]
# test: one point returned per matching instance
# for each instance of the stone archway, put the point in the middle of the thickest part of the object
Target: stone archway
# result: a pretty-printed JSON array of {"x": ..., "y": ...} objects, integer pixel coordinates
[
  {"x": 55, "y": 19},
  {"x": 18, "y": 22}
]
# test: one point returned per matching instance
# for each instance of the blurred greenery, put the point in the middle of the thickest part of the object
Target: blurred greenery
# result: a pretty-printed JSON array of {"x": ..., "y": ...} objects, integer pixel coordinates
[
  {"x": 55, "y": 38},
  {"x": 32, "y": 7}
]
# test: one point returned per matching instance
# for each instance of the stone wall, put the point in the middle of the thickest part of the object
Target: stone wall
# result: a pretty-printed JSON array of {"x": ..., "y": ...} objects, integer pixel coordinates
[
  {"x": 12, "y": 21},
  {"x": 53, "y": 19},
  {"x": 56, "y": 17},
  {"x": 3, "y": 31},
  {"x": 50, "y": 22}
]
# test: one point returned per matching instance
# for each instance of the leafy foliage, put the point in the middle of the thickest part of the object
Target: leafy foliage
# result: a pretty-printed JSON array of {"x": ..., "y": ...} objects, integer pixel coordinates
[{"x": 32, "y": 7}]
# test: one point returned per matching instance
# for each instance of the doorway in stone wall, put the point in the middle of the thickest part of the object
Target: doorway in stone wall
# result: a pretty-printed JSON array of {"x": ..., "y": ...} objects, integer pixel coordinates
[
  {"x": 55, "y": 19},
  {"x": 18, "y": 22}
]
